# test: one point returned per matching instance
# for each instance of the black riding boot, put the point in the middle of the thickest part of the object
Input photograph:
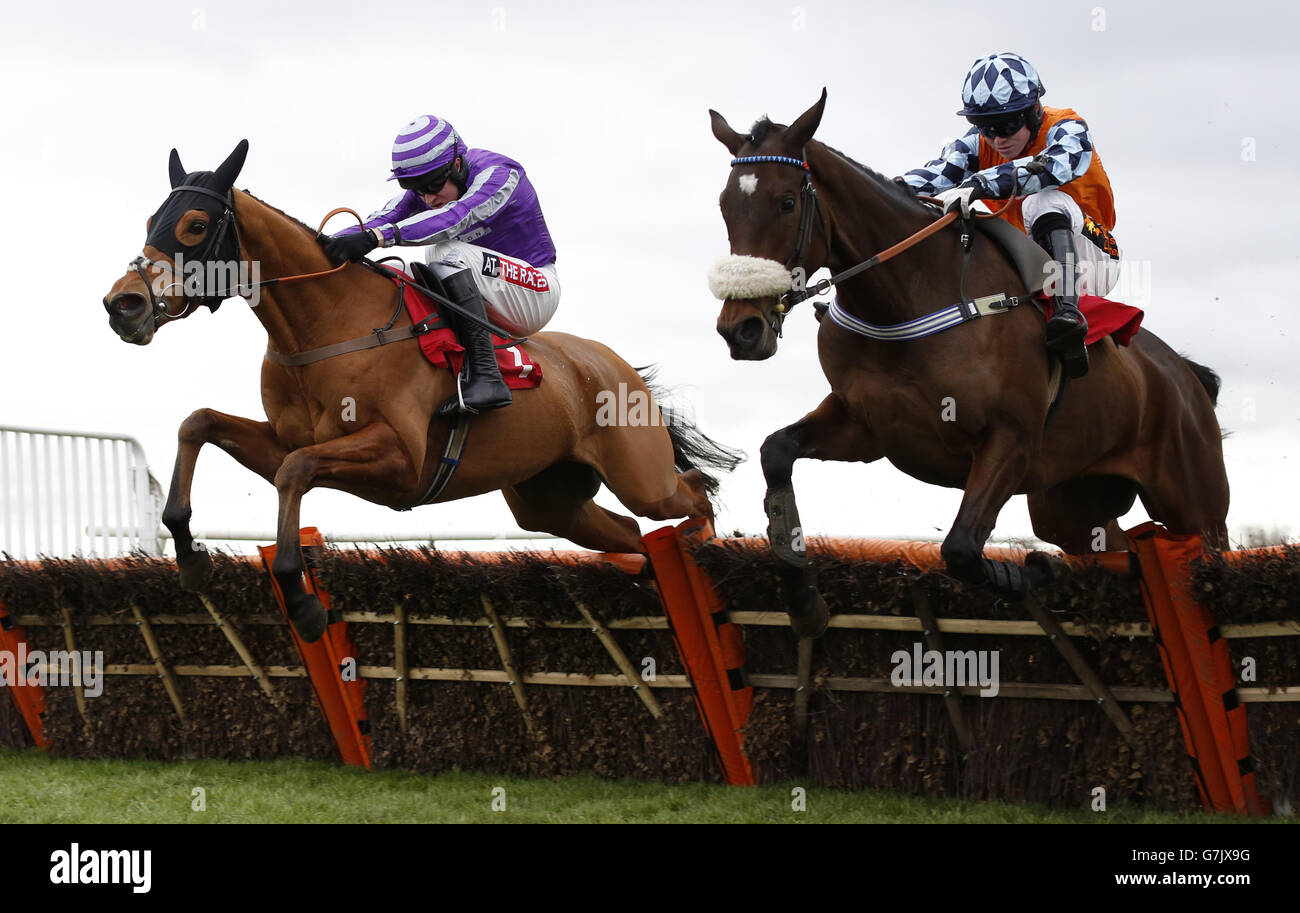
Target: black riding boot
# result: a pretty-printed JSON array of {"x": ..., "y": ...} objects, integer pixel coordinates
[
  {"x": 484, "y": 388},
  {"x": 1068, "y": 328}
]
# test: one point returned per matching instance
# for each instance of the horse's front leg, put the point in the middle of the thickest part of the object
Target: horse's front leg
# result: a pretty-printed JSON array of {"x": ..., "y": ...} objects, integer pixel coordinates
[
  {"x": 829, "y": 432},
  {"x": 250, "y": 442},
  {"x": 996, "y": 472},
  {"x": 373, "y": 458}
]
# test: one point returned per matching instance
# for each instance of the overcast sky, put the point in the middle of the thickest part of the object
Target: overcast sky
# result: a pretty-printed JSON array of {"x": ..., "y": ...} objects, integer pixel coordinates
[{"x": 1191, "y": 106}]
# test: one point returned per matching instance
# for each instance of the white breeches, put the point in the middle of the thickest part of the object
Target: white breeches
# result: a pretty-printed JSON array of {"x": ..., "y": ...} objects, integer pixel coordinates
[
  {"x": 1098, "y": 271},
  {"x": 518, "y": 297}
]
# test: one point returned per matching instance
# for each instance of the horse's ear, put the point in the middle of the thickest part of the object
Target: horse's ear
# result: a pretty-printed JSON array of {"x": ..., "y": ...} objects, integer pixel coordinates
[
  {"x": 722, "y": 130},
  {"x": 803, "y": 129},
  {"x": 234, "y": 163},
  {"x": 175, "y": 170}
]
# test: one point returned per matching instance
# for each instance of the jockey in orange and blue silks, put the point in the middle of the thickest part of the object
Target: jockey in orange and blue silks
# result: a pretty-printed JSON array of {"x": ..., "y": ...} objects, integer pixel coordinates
[
  {"x": 487, "y": 241},
  {"x": 1044, "y": 160}
]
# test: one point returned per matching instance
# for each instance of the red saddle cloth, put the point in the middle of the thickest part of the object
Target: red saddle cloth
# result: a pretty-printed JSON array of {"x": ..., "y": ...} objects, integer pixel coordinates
[
  {"x": 1105, "y": 318},
  {"x": 518, "y": 369}
]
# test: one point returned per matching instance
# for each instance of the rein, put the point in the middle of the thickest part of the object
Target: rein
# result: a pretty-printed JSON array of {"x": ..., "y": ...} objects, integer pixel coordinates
[
  {"x": 212, "y": 245},
  {"x": 810, "y": 207},
  {"x": 380, "y": 337}
]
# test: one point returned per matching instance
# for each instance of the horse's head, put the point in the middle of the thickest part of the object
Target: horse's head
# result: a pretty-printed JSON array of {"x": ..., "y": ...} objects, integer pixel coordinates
[
  {"x": 775, "y": 228},
  {"x": 190, "y": 253}
]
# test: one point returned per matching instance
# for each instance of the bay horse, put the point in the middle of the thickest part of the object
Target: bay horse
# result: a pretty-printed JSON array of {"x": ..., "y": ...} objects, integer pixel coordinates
[
  {"x": 964, "y": 408},
  {"x": 365, "y": 422}
]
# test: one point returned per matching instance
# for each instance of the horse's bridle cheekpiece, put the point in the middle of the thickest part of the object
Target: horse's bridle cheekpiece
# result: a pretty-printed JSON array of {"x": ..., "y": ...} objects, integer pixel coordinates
[
  {"x": 211, "y": 247},
  {"x": 809, "y": 211}
]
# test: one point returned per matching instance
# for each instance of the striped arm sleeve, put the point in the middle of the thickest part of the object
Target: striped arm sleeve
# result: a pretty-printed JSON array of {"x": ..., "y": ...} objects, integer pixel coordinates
[
  {"x": 481, "y": 201},
  {"x": 1066, "y": 155},
  {"x": 959, "y": 160},
  {"x": 392, "y": 212}
]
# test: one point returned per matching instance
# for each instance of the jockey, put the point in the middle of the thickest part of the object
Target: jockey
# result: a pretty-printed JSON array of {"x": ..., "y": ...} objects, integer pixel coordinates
[
  {"x": 488, "y": 243},
  {"x": 1042, "y": 158}
]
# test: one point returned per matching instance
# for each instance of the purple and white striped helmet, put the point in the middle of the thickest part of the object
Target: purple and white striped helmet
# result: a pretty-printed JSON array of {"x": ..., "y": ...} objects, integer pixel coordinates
[{"x": 426, "y": 144}]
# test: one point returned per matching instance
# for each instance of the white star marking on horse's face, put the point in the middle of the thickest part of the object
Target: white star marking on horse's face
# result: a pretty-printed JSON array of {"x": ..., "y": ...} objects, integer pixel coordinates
[{"x": 748, "y": 184}]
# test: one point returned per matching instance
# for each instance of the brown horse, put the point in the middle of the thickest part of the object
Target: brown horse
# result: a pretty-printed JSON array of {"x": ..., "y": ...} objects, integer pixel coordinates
[
  {"x": 364, "y": 422},
  {"x": 965, "y": 408}
]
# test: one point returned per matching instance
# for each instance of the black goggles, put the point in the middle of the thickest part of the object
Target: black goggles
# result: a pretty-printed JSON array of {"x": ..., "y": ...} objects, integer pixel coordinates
[
  {"x": 426, "y": 183},
  {"x": 1002, "y": 127}
]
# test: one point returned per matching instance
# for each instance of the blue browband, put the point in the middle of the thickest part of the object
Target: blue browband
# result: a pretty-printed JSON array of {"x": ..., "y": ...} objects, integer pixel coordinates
[{"x": 780, "y": 159}]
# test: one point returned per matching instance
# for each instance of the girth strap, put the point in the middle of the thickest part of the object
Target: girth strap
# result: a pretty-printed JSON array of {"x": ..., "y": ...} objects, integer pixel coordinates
[
  {"x": 449, "y": 462},
  {"x": 937, "y": 322},
  {"x": 380, "y": 337}
]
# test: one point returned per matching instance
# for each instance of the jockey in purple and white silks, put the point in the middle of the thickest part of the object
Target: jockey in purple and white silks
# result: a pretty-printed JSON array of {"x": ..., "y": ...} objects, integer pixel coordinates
[{"x": 488, "y": 242}]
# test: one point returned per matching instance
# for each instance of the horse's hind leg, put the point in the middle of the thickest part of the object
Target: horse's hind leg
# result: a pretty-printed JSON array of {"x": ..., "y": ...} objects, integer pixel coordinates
[
  {"x": 372, "y": 458},
  {"x": 1190, "y": 500},
  {"x": 252, "y": 443},
  {"x": 1080, "y": 515},
  {"x": 558, "y": 500},
  {"x": 829, "y": 432},
  {"x": 637, "y": 464}
]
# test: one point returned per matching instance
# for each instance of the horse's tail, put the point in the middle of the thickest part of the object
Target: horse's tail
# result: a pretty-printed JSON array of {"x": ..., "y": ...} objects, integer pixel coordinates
[
  {"x": 1208, "y": 378},
  {"x": 692, "y": 448}
]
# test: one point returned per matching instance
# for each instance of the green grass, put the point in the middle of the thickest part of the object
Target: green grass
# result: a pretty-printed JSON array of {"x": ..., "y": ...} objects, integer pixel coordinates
[{"x": 37, "y": 788}]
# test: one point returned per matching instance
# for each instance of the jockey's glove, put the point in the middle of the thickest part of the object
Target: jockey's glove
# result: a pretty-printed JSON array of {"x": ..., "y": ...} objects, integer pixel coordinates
[
  {"x": 961, "y": 197},
  {"x": 341, "y": 248}
]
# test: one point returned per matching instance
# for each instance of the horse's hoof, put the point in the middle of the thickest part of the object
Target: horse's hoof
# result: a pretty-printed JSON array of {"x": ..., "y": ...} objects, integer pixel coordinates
[
  {"x": 308, "y": 617},
  {"x": 1044, "y": 569},
  {"x": 808, "y": 613},
  {"x": 195, "y": 569},
  {"x": 1006, "y": 579}
]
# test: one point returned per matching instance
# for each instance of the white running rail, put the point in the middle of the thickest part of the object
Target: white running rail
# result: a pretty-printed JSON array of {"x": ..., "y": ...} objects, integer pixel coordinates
[{"x": 65, "y": 493}]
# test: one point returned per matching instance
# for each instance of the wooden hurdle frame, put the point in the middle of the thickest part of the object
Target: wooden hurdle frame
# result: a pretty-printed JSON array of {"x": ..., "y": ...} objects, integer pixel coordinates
[{"x": 1202, "y": 683}]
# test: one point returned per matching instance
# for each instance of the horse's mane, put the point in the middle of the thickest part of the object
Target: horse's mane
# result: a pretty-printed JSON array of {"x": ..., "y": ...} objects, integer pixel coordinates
[
  {"x": 303, "y": 225},
  {"x": 763, "y": 126}
]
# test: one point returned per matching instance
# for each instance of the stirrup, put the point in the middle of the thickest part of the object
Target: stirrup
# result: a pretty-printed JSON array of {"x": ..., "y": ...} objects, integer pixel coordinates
[{"x": 457, "y": 403}]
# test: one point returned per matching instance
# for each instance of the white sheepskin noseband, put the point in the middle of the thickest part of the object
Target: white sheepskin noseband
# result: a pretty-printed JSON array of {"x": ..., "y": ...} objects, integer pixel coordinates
[{"x": 739, "y": 276}]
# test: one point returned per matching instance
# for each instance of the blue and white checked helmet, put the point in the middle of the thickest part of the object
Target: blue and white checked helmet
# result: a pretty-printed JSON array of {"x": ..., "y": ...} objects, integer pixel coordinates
[
  {"x": 424, "y": 145},
  {"x": 1000, "y": 84}
]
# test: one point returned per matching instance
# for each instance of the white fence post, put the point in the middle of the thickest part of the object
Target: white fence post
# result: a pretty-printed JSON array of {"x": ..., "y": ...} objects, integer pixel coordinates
[
  {"x": 76, "y": 493},
  {"x": 71, "y": 493}
]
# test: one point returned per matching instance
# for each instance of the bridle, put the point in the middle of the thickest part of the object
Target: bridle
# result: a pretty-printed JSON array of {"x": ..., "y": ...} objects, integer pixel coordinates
[
  {"x": 800, "y": 290},
  {"x": 211, "y": 245},
  {"x": 211, "y": 249},
  {"x": 226, "y": 226},
  {"x": 810, "y": 210}
]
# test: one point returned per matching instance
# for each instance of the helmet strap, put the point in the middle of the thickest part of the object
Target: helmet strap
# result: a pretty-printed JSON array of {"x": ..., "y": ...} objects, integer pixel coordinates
[
  {"x": 460, "y": 176},
  {"x": 1034, "y": 121}
]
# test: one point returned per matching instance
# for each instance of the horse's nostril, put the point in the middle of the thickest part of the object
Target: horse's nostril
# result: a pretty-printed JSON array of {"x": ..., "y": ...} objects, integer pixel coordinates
[
  {"x": 125, "y": 303},
  {"x": 749, "y": 331}
]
